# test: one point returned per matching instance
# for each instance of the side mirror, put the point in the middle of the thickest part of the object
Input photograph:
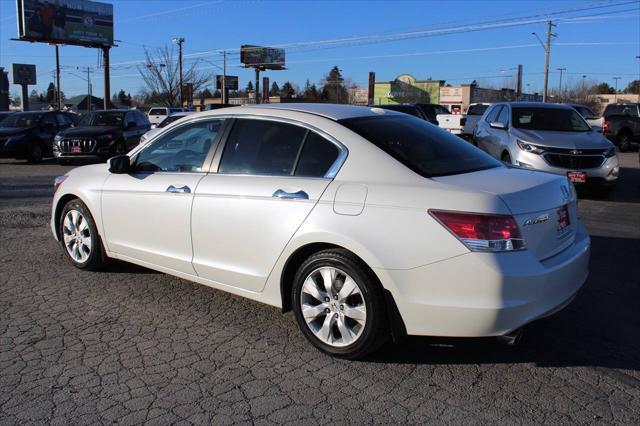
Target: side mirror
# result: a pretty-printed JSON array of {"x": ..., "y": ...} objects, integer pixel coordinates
[
  {"x": 498, "y": 125},
  {"x": 120, "y": 164}
]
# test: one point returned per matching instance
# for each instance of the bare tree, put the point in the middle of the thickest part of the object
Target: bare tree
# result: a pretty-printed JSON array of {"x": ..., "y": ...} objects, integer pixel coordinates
[{"x": 161, "y": 75}]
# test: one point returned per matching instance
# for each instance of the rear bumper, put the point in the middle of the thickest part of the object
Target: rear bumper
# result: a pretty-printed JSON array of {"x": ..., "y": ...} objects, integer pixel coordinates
[{"x": 484, "y": 294}]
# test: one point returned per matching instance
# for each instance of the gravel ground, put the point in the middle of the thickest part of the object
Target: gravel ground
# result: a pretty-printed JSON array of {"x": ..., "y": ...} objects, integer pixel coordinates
[{"x": 130, "y": 345}]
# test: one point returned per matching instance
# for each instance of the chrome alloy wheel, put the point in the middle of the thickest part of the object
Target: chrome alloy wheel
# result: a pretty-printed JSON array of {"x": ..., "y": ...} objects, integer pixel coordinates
[
  {"x": 77, "y": 236},
  {"x": 333, "y": 306}
]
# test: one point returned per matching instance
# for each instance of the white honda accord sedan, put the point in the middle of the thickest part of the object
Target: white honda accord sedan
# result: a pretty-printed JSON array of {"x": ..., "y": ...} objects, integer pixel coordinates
[{"x": 367, "y": 223}]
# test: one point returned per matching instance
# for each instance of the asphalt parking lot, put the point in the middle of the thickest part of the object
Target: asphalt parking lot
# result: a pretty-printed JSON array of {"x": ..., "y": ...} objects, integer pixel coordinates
[{"x": 130, "y": 345}]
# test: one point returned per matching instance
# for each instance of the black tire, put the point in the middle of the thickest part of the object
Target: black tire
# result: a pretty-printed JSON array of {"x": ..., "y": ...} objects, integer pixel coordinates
[
  {"x": 376, "y": 330},
  {"x": 624, "y": 141},
  {"x": 97, "y": 258},
  {"x": 35, "y": 154},
  {"x": 506, "y": 158}
]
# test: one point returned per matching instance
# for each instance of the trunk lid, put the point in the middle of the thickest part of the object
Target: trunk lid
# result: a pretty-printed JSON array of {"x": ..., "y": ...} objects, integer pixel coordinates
[{"x": 543, "y": 204}]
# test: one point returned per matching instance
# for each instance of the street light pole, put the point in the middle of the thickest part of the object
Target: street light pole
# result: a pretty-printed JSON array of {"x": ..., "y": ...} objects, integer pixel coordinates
[
  {"x": 224, "y": 78},
  {"x": 179, "y": 41},
  {"x": 547, "y": 51},
  {"x": 615, "y": 95}
]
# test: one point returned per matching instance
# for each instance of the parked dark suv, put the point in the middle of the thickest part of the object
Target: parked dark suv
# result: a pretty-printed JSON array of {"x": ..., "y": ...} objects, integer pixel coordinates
[
  {"x": 101, "y": 134},
  {"x": 29, "y": 135},
  {"x": 622, "y": 124}
]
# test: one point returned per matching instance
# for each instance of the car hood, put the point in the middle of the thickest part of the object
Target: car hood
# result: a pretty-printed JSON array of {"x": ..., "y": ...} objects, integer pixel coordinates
[
  {"x": 90, "y": 131},
  {"x": 13, "y": 131},
  {"x": 569, "y": 140}
]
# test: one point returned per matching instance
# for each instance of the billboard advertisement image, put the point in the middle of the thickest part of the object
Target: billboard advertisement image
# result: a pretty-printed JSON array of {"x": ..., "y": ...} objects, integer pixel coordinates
[
  {"x": 24, "y": 74},
  {"x": 262, "y": 57},
  {"x": 76, "y": 22}
]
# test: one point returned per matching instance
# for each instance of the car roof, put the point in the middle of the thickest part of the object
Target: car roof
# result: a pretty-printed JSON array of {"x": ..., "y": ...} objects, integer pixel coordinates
[
  {"x": 181, "y": 113},
  {"x": 332, "y": 111},
  {"x": 536, "y": 105}
]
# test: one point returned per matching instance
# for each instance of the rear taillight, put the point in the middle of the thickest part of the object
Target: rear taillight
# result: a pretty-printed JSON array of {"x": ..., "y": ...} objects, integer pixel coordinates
[
  {"x": 605, "y": 127},
  {"x": 482, "y": 232}
]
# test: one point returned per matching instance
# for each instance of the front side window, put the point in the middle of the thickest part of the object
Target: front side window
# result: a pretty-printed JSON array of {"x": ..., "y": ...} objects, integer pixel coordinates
[
  {"x": 22, "y": 119},
  {"x": 492, "y": 115},
  {"x": 50, "y": 120},
  {"x": 140, "y": 118},
  {"x": 504, "y": 116},
  {"x": 552, "y": 119},
  {"x": 259, "y": 147},
  {"x": 420, "y": 146},
  {"x": 181, "y": 150}
]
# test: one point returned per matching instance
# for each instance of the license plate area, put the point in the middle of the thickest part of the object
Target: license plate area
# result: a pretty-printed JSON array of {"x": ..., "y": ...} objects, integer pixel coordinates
[
  {"x": 577, "y": 177},
  {"x": 76, "y": 149}
]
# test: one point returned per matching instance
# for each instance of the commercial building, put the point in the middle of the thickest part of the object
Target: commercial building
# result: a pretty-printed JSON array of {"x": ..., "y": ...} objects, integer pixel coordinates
[{"x": 458, "y": 98}]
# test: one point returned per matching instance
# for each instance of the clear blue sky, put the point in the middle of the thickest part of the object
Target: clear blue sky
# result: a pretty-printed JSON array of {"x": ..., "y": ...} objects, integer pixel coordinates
[{"x": 601, "y": 47}]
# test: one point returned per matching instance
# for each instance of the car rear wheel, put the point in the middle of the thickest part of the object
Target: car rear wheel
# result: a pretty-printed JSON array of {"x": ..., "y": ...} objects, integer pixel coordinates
[
  {"x": 338, "y": 304},
  {"x": 79, "y": 237},
  {"x": 624, "y": 141},
  {"x": 35, "y": 154}
]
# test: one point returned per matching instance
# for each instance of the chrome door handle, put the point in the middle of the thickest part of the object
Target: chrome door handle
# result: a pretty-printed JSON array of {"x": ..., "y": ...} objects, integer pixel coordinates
[
  {"x": 280, "y": 193},
  {"x": 182, "y": 190}
]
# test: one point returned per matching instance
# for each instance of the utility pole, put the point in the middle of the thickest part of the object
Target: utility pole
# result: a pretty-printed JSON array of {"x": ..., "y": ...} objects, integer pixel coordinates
[
  {"x": 547, "y": 51},
  {"x": 224, "y": 78},
  {"x": 107, "y": 81},
  {"x": 179, "y": 41},
  {"x": 615, "y": 96},
  {"x": 59, "y": 96},
  {"x": 560, "y": 89}
]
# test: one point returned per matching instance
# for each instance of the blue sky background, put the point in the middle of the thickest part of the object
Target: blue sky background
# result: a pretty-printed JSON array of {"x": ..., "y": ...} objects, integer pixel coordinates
[{"x": 213, "y": 25}]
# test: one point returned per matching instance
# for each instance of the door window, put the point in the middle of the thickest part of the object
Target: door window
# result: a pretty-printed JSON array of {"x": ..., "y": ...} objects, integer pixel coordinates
[
  {"x": 493, "y": 114},
  {"x": 63, "y": 120},
  {"x": 49, "y": 119},
  {"x": 181, "y": 150},
  {"x": 140, "y": 118},
  {"x": 317, "y": 156},
  {"x": 262, "y": 147},
  {"x": 503, "y": 117}
]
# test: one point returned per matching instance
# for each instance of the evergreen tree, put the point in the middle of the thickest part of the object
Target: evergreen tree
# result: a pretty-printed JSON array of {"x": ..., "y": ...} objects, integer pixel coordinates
[
  {"x": 333, "y": 89},
  {"x": 275, "y": 89},
  {"x": 288, "y": 91}
]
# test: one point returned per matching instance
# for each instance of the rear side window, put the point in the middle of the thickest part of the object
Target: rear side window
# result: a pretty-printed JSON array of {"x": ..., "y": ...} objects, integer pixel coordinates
[
  {"x": 420, "y": 146},
  {"x": 477, "y": 109},
  {"x": 316, "y": 157},
  {"x": 157, "y": 111},
  {"x": 259, "y": 147}
]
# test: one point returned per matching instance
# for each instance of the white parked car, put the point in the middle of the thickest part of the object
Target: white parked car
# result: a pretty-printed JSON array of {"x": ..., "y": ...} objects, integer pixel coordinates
[
  {"x": 157, "y": 114},
  {"x": 156, "y": 128},
  {"x": 365, "y": 222},
  {"x": 474, "y": 112}
]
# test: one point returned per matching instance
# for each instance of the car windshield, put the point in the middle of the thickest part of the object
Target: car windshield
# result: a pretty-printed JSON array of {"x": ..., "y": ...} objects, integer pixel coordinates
[
  {"x": 102, "y": 118},
  {"x": 170, "y": 120},
  {"x": 553, "y": 119},
  {"x": 26, "y": 119},
  {"x": 420, "y": 146}
]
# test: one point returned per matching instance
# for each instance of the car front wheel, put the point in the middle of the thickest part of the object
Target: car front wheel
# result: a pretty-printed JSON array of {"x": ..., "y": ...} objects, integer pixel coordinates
[
  {"x": 79, "y": 237},
  {"x": 338, "y": 304}
]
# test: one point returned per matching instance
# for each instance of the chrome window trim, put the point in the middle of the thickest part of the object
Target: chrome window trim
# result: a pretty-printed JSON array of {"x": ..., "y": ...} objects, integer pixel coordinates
[{"x": 343, "y": 151}]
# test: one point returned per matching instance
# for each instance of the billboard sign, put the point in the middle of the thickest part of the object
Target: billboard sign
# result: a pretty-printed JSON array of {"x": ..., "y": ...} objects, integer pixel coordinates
[
  {"x": 231, "y": 82},
  {"x": 24, "y": 74},
  {"x": 76, "y": 22},
  {"x": 266, "y": 58}
]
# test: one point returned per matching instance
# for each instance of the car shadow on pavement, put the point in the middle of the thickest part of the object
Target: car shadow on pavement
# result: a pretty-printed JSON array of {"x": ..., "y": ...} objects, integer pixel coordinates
[
  {"x": 626, "y": 191},
  {"x": 601, "y": 328}
]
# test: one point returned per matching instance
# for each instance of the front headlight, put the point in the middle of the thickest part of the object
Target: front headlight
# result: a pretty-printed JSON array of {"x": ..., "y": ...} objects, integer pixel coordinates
[
  {"x": 57, "y": 139},
  {"x": 529, "y": 147},
  {"x": 611, "y": 152}
]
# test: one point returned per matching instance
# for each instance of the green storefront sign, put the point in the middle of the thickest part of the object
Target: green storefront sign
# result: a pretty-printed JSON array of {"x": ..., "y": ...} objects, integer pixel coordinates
[{"x": 406, "y": 89}]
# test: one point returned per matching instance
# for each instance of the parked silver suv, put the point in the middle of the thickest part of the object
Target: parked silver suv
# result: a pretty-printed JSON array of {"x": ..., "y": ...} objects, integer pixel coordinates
[{"x": 549, "y": 137}]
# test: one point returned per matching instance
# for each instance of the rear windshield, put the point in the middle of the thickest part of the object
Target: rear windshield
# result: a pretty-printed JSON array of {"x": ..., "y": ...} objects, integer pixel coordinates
[
  {"x": 170, "y": 119},
  {"x": 477, "y": 109},
  {"x": 552, "y": 119},
  {"x": 157, "y": 111},
  {"x": 421, "y": 146}
]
